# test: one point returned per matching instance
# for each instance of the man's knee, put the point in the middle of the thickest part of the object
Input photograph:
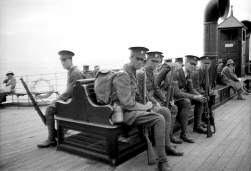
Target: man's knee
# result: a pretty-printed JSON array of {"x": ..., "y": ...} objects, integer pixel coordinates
[
  {"x": 164, "y": 112},
  {"x": 50, "y": 111}
]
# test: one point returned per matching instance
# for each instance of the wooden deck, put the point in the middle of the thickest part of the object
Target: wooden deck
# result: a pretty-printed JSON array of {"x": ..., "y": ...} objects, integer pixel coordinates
[{"x": 229, "y": 149}]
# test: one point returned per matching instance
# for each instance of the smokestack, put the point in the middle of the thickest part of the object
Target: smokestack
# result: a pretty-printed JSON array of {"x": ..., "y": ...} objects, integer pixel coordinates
[{"x": 214, "y": 10}]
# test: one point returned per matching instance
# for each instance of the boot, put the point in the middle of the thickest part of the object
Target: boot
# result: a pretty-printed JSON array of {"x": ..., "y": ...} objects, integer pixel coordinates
[
  {"x": 239, "y": 95},
  {"x": 163, "y": 166},
  {"x": 175, "y": 140},
  {"x": 51, "y": 141},
  {"x": 173, "y": 151},
  {"x": 200, "y": 129},
  {"x": 203, "y": 125},
  {"x": 186, "y": 137}
]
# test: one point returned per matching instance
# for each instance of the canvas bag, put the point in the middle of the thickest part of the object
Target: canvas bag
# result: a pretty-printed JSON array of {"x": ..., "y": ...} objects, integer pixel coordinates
[
  {"x": 103, "y": 86},
  {"x": 104, "y": 90}
]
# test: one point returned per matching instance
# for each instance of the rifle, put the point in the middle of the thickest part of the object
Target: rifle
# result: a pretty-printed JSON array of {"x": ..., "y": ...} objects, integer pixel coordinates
[
  {"x": 206, "y": 108},
  {"x": 169, "y": 94},
  {"x": 33, "y": 102},
  {"x": 150, "y": 153}
]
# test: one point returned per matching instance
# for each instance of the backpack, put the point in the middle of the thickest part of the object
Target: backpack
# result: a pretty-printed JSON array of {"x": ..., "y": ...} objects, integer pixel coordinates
[{"x": 103, "y": 86}]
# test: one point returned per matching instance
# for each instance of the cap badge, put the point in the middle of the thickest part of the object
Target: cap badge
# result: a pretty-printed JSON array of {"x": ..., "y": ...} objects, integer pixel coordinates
[
  {"x": 156, "y": 55},
  {"x": 142, "y": 52}
]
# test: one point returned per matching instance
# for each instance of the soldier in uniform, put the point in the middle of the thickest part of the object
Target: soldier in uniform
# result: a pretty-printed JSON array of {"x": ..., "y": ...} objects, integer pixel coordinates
[
  {"x": 155, "y": 95},
  {"x": 163, "y": 70},
  {"x": 125, "y": 84},
  {"x": 160, "y": 63},
  {"x": 87, "y": 73},
  {"x": 72, "y": 76},
  {"x": 179, "y": 61},
  {"x": 96, "y": 70},
  {"x": 198, "y": 79},
  {"x": 185, "y": 95}
]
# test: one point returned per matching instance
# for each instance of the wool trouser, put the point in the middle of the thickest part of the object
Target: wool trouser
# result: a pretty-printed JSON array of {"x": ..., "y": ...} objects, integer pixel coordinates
[
  {"x": 184, "y": 107},
  {"x": 167, "y": 115},
  {"x": 49, "y": 115},
  {"x": 197, "y": 112},
  {"x": 156, "y": 121}
]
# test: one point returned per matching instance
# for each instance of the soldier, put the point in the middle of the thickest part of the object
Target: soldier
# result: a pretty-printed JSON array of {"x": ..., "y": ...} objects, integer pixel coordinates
[
  {"x": 72, "y": 76},
  {"x": 125, "y": 84},
  {"x": 165, "y": 68},
  {"x": 198, "y": 79},
  {"x": 96, "y": 70},
  {"x": 185, "y": 95},
  {"x": 87, "y": 73},
  {"x": 155, "y": 95},
  {"x": 179, "y": 60},
  {"x": 160, "y": 63}
]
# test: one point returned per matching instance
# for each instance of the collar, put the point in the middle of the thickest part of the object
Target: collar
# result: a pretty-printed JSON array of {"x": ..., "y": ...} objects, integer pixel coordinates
[
  {"x": 72, "y": 68},
  {"x": 129, "y": 69}
]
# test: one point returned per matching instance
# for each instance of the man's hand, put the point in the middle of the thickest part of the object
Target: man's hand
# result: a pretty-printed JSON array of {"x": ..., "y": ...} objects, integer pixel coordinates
[
  {"x": 149, "y": 105},
  {"x": 200, "y": 98}
]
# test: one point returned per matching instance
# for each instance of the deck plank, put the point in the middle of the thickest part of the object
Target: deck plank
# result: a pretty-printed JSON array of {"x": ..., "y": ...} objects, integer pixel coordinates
[{"x": 228, "y": 149}]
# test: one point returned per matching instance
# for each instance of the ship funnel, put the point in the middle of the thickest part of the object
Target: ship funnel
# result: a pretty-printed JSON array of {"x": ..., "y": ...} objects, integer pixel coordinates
[{"x": 214, "y": 10}]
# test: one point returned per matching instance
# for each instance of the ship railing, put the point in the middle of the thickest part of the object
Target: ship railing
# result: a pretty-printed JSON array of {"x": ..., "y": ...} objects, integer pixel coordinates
[{"x": 41, "y": 82}]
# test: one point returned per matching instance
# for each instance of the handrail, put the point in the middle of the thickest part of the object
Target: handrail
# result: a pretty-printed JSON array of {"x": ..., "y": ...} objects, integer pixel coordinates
[{"x": 58, "y": 80}]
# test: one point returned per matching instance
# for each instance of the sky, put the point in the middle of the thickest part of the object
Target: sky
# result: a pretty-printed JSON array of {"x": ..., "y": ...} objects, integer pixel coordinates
[{"x": 99, "y": 32}]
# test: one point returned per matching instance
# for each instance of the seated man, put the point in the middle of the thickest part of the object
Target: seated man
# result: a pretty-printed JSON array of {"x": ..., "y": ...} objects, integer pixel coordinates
[
  {"x": 220, "y": 67},
  {"x": 185, "y": 95},
  {"x": 125, "y": 84},
  {"x": 163, "y": 70},
  {"x": 72, "y": 76},
  {"x": 230, "y": 78},
  {"x": 155, "y": 95},
  {"x": 9, "y": 81},
  {"x": 198, "y": 79},
  {"x": 86, "y": 73}
]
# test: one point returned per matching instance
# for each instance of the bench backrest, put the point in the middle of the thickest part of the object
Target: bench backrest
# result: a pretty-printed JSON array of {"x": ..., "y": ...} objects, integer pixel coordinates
[{"x": 95, "y": 112}]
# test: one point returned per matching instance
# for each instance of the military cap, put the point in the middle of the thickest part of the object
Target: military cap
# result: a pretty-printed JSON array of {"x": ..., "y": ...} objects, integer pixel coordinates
[
  {"x": 220, "y": 60},
  {"x": 179, "y": 59},
  {"x": 168, "y": 60},
  {"x": 86, "y": 65},
  {"x": 9, "y": 72},
  {"x": 192, "y": 58},
  {"x": 139, "y": 52},
  {"x": 64, "y": 54},
  {"x": 206, "y": 59},
  {"x": 154, "y": 54}
]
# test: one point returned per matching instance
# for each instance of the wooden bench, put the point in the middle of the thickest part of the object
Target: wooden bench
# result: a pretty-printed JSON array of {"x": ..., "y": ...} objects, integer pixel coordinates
[
  {"x": 89, "y": 130},
  {"x": 91, "y": 133}
]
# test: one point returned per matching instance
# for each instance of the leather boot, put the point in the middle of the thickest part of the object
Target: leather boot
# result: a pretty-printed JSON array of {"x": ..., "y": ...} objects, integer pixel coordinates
[
  {"x": 51, "y": 141},
  {"x": 173, "y": 151},
  {"x": 186, "y": 137},
  {"x": 200, "y": 129},
  {"x": 175, "y": 140},
  {"x": 239, "y": 95},
  {"x": 203, "y": 125},
  {"x": 164, "y": 166}
]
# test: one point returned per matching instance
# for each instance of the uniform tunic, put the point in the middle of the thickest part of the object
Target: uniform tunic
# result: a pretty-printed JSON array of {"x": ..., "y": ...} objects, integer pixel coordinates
[
  {"x": 125, "y": 83},
  {"x": 72, "y": 76}
]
